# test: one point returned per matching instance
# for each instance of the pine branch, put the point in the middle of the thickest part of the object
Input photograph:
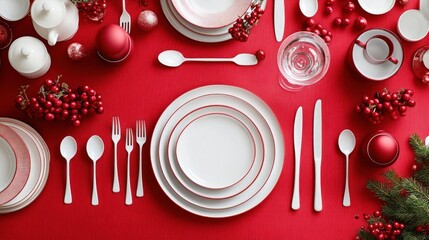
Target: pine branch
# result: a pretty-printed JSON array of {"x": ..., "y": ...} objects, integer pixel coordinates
[
  {"x": 381, "y": 190},
  {"x": 422, "y": 175},
  {"x": 419, "y": 148}
]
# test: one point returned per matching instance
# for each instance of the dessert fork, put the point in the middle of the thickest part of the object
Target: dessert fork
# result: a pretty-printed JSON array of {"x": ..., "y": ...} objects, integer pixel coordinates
[
  {"x": 116, "y": 136},
  {"x": 129, "y": 147},
  {"x": 141, "y": 139},
  {"x": 125, "y": 19}
]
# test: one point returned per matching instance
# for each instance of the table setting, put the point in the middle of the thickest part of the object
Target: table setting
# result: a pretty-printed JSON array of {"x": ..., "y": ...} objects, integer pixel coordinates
[{"x": 246, "y": 119}]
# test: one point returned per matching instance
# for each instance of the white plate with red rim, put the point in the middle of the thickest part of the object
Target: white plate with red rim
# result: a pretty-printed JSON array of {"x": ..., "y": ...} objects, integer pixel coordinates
[
  {"x": 40, "y": 157},
  {"x": 211, "y": 13},
  {"x": 377, "y": 7},
  {"x": 171, "y": 186},
  {"x": 376, "y": 72},
  {"x": 14, "y": 164},
  {"x": 215, "y": 151},
  {"x": 234, "y": 189}
]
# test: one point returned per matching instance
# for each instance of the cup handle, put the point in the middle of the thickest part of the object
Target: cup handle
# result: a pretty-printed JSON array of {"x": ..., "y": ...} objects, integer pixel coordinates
[
  {"x": 360, "y": 43},
  {"x": 393, "y": 60}
]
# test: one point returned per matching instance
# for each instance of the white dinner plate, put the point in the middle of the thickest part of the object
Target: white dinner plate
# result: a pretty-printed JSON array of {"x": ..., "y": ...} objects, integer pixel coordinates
[
  {"x": 211, "y": 13},
  {"x": 40, "y": 158},
  {"x": 376, "y": 7},
  {"x": 215, "y": 150},
  {"x": 195, "y": 32},
  {"x": 170, "y": 185},
  {"x": 14, "y": 10},
  {"x": 15, "y": 159},
  {"x": 225, "y": 192},
  {"x": 377, "y": 72}
]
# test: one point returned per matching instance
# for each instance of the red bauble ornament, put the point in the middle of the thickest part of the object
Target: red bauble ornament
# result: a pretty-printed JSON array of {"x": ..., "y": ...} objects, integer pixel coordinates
[
  {"x": 76, "y": 51},
  {"x": 380, "y": 149},
  {"x": 147, "y": 20},
  {"x": 113, "y": 43},
  {"x": 403, "y": 2},
  {"x": 360, "y": 23}
]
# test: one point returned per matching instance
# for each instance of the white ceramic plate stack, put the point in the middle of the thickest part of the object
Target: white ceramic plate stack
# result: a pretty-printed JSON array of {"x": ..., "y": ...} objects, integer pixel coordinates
[
  {"x": 24, "y": 165},
  {"x": 205, "y": 20},
  {"x": 217, "y": 151}
]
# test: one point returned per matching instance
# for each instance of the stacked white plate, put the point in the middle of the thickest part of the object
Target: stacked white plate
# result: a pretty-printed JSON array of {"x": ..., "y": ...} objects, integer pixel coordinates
[
  {"x": 24, "y": 165},
  {"x": 217, "y": 151},
  {"x": 205, "y": 20}
]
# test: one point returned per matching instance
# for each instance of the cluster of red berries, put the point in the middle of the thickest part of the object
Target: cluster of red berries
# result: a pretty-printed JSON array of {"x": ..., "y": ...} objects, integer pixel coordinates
[
  {"x": 240, "y": 30},
  {"x": 94, "y": 10},
  {"x": 385, "y": 103},
  {"x": 311, "y": 26},
  {"x": 56, "y": 101},
  {"x": 423, "y": 229},
  {"x": 381, "y": 229}
]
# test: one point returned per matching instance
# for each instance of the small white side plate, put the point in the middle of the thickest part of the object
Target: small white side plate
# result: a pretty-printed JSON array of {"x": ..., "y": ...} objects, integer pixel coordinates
[
  {"x": 376, "y": 7},
  {"x": 413, "y": 26}
]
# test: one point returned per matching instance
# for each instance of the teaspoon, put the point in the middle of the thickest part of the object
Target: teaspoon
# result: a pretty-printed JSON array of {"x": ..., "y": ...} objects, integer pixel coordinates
[
  {"x": 347, "y": 142},
  {"x": 94, "y": 148},
  {"x": 68, "y": 149}
]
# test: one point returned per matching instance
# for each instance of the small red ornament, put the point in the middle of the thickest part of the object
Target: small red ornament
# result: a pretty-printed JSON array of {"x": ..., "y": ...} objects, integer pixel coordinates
[
  {"x": 360, "y": 23},
  {"x": 425, "y": 78},
  {"x": 147, "y": 20},
  {"x": 329, "y": 10},
  {"x": 414, "y": 168},
  {"x": 380, "y": 149},
  {"x": 345, "y": 22},
  {"x": 349, "y": 7},
  {"x": 260, "y": 55},
  {"x": 338, "y": 21},
  {"x": 330, "y": 2},
  {"x": 76, "y": 51},
  {"x": 403, "y": 2}
]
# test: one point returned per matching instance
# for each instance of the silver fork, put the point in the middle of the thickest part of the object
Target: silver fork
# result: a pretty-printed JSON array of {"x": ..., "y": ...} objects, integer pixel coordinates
[
  {"x": 125, "y": 19},
  {"x": 116, "y": 136},
  {"x": 141, "y": 139},
  {"x": 129, "y": 142}
]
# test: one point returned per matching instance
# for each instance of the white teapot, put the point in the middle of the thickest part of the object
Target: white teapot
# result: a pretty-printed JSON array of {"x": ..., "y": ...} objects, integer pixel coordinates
[{"x": 55, "y": 20}]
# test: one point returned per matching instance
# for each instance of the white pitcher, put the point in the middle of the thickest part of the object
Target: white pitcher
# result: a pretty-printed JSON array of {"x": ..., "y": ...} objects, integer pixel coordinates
[{"x": 55, "y": 20}]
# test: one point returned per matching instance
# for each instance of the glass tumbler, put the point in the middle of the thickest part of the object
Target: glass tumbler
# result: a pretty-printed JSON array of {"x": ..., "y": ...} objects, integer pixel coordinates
[{"x": 303, "y": 59}]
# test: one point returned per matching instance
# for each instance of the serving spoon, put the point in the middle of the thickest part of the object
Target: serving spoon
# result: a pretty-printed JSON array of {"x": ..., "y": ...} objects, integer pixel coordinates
[
  {"x": 308, "y": 7},
  {"x": 94, "y": 148},
  {"x": 347, "y": 143},
  {"x": 172, "y": 58},
  {"x": 68, "y": 149}
]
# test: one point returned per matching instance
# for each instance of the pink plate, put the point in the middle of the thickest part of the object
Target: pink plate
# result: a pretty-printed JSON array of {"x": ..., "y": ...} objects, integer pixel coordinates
[
  {"x": 211, "y": 13},
  {"x": 22, "y": 171}
]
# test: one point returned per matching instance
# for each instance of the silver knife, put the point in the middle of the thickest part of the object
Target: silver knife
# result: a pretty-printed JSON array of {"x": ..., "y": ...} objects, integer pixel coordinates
[
  {"x": 279, "y": 19},
  {"x": 297, "y": 142},
  {"x": 317, "y": 152}
]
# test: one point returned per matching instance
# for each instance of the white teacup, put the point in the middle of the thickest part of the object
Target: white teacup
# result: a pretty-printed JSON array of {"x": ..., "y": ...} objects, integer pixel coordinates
[{"x": 378, "y": 49}]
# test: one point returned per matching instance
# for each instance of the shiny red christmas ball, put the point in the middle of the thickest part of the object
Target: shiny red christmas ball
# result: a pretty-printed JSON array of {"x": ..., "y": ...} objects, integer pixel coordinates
[
  {"x": 113, "y": 43},
  {"x": 380, "y": 149},
  {"x": 76, "y": 51},
  {"x": 360, "y": 23}
]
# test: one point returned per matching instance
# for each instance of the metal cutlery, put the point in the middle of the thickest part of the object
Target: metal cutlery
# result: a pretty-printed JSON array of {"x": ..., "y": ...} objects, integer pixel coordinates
[
  {"x": 140, "y": 139},
  {"x": 279, "y": 19},
  {"x": 116, "y": 136},
  {"x": 317, "y": 152},
  {"x": 297, "y": 140},
  {"x": 125, "y": 19},
  {"x": 129, "y": 143}
]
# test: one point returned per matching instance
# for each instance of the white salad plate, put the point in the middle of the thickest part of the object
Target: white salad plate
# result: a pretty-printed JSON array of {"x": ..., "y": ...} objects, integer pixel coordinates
[
  {"x": 14, "y": 164},
  {"x": 257, "y": 191},
  {"x": 14, "y": 10},
  {"x": 232, "y": 190},
  {"x": 419, "y": 23},
  {"x": 382, "y": 71},
  {"x": 376, "y": 7},
  {"x": 211, "y": 13},
  {"x": 215, "y": 150},
  {"x": 208, "y": 35},
  {"x": 40, "y": 157}
]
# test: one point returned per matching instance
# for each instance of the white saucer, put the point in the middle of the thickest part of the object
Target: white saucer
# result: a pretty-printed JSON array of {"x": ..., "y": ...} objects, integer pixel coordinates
[
  {"x": 14, "y": 10},
  {"x": 376, "y": 7},
  {"x": 211, "y": 13},
  {"x": 376, "y": 72},
  {"x": 239, "y": 186},
  {"x": 413, "y": 25}
]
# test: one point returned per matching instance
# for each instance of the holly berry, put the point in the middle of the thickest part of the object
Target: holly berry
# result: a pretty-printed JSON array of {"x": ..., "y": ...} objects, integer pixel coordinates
[
  {"x": 56, "y": 101},
  {"x": 360, "y": 23},
  {"x": 329, "y": 10},
  {"x": 93, "y": 10},
  {"x": 260, "y": 55},
  {"x": 240, "y": 30},
  {"x": 330, "y": 2},
  {"x": 403, "y": 2},
  {"x": 349, "y": 7}
]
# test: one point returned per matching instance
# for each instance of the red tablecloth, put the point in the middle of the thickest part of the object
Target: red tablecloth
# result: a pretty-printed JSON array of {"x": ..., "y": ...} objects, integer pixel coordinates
[{"x": 141, "y": 88}]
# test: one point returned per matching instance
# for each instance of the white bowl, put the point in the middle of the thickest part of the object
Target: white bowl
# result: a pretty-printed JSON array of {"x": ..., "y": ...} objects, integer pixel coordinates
[{"x": 14, "y": 10}]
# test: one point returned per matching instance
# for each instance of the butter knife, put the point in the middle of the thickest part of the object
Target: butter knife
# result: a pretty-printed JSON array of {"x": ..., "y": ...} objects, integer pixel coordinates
[
  {"x": 279, "y": 19},
  {"x": 317, "y": 152},
  {"x": 297, "y": 142}
]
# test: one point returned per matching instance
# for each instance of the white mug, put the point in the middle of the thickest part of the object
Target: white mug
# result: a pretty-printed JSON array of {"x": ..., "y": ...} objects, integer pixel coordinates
[{"x": 378, "y": 49}]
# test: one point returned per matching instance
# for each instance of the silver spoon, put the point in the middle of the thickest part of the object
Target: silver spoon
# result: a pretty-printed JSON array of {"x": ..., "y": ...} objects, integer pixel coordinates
[
  {"x": 308, "y": 7},
  {"x": 172, "y": 58},
  {"x": 347, "y": 143},
  {"x": 68, "y": 149},
  {"x": 94, "y": 148}
]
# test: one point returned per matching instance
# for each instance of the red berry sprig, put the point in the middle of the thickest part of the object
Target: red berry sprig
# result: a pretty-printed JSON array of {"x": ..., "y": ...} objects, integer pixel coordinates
[
  {"x": 94, "y": 10},
  {"x": 240, "y": 30},
  {"x": 386, "y": 104},
  {"x": 380, "y": 228},
  {"x": 56, "y": 101},
  {"x": 317, "y": 28}
]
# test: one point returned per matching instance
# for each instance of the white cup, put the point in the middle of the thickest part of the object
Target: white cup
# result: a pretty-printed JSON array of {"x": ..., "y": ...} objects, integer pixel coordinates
[{"x": 378, "y": 49}]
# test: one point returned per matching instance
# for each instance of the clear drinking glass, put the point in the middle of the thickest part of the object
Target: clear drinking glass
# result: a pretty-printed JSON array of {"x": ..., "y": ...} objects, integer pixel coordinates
[{"x": 303, "y": 59}]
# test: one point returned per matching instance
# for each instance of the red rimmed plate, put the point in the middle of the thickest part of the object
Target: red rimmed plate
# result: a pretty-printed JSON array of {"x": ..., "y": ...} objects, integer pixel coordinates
[{"x": 11, "y": 141}]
